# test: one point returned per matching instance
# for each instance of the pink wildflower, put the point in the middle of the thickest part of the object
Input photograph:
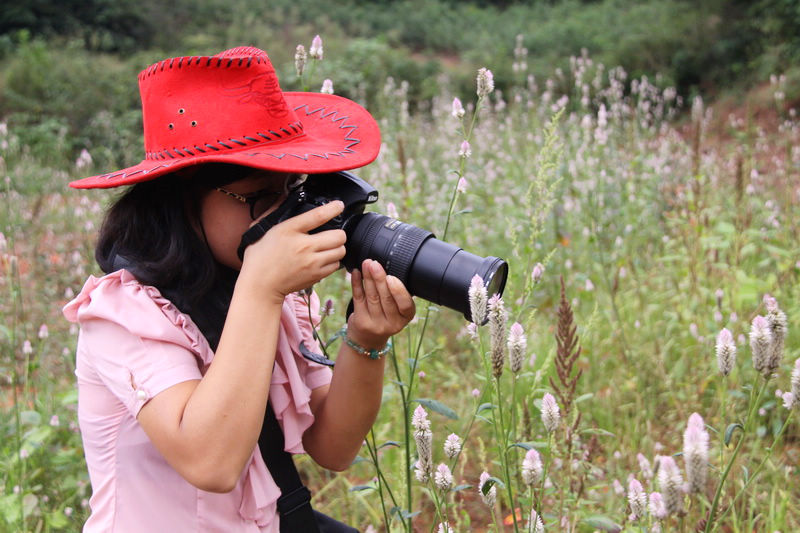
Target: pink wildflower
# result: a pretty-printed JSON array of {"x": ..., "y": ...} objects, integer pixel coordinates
[
  {"x": 485, "y": 81},
  {"x": 550, "y": 413},
  {"x": 458, "y": 109},
  {"x": 315, "y": 52},
  {"x": 517, "y": 343},
  {"x": 477, "y": 300},
  {"x": 490, "y": 496},
  {"x": 656, "y": 506},
  {"x": 391, "y": 210},
  {"x": 300, "y": 58},
  {"x": 497, "y": 329},
  {"x": 671, "y": 484},
  {"x": 760, "y": 343},
  {"x": 538, "y": 271},
  {"x": 532, "y": 468},
  {"x": 452, "y": 446},
  {"x": 443, "y": 478},
  {"x": 637, "y": 498},
  {"x": 465, "y": 151},
  {"x": 695, "y": 453},
  {"x": 726, "y": 352}
]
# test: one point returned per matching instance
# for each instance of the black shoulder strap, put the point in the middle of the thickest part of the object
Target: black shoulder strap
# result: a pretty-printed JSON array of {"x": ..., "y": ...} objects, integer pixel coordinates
[{"x": 294, "y": 505}]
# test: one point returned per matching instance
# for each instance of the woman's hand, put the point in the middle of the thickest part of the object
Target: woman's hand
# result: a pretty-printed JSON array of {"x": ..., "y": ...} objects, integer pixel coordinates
[
  {"x": 346, "y": 409},
  {"x": 288, "y": 259},
  {"x": 382, "y": 306}
]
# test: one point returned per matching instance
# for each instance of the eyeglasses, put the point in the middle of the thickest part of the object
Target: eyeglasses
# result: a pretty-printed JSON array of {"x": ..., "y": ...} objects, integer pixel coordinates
[{"x": 262, "y": 200}]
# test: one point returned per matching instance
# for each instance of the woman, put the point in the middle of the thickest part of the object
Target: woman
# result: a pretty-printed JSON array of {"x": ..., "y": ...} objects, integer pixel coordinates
[{"x": 182, "y": 343}]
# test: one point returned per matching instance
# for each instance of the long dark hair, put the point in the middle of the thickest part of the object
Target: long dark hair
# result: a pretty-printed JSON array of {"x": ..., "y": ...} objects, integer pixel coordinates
[{"x": 154, "y": 231}]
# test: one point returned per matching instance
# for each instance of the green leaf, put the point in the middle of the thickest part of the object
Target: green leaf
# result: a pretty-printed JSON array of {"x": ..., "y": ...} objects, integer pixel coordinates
[
  {"x": 38, "y": 435},
  {"x": 29, "y": 503},
  {"x": 30, "y": 418},
  {"x": 358, "y": 488},
  {"x": 726, "y": 228},
  {"x": 439, "y": 407},
  {"x": 9, "y": 508},
  {"x": 57, "y": 520},
  {"x": 777, "y": 251},
  {"x": 523, "y": 445},
  {"x": 460, "y": 488},
  {"x": 738, "y": 394},
  {"x": 729, "y": 432},
  {"x": 597, "y": 431},
  {"x": 489, "y": 483},
  {"x": 70, "y": 397},
  {"x": 584, "y": 397},
  {"x": 406, "y": 515},
  {"x": 602, "y": 523},
  {"x": 485, "y": 406}
]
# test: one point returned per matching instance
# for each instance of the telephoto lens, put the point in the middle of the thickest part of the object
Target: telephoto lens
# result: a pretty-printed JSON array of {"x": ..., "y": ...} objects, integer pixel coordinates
[{"x": 429, "y": 268}]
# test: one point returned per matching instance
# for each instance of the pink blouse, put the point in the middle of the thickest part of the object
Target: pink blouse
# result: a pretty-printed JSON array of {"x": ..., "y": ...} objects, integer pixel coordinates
[{"x": 133, "y": 344}]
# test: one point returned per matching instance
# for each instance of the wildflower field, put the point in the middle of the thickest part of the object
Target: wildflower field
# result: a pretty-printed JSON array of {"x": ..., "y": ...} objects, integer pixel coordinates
[{"x": 640, "y": 373}]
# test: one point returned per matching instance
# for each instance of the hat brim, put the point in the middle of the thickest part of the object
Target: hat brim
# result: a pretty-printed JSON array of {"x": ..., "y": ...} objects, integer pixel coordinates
[{"x": 338, "y": 134}]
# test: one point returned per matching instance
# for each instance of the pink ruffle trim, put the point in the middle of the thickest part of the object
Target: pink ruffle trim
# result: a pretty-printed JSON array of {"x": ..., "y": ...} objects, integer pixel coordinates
[{"x": 120, "y": 298}]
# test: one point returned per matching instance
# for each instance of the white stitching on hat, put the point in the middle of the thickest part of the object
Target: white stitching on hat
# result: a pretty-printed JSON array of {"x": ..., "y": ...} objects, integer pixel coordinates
[{"x": 321, "y": 110}]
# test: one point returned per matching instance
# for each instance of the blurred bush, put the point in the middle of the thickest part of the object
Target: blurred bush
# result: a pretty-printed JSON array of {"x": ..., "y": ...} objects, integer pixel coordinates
[
  {"x": 75, "y": 63},
  {"x": 55, "y": 99}
]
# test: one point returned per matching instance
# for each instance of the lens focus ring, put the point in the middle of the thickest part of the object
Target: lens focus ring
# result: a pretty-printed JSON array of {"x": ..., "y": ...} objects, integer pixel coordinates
[{"x": 403, "y": 249}]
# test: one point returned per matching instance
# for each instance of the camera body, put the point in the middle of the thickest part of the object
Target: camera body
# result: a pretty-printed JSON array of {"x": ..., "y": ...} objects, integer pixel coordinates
[{"x": 429, "y": 268}]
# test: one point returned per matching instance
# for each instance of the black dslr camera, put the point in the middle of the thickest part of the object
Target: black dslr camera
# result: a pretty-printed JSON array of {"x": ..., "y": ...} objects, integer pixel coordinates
[{"x": 431, "y": 269}]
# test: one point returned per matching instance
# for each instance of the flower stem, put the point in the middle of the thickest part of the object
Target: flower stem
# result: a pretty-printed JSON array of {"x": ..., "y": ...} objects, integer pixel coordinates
[
  {"x": 407, "y": 436},
  {"x": 758, "y": 468},
  {"x": 751, "y": 409},
  {"x": 503, "y": 438},
  {"x": 373, "y": 451}
]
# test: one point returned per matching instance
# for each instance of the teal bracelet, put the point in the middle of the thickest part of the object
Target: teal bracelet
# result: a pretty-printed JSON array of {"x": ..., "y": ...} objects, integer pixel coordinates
[{"x": 372, "y": 354}]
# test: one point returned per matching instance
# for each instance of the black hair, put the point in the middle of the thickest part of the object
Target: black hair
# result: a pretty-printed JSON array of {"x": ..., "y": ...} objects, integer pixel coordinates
[{"x": 154, "y": 231}]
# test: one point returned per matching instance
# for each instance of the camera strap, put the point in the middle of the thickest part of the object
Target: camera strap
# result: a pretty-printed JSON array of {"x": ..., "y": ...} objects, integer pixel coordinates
[
  {"x": 294, "y": 504},
  {"x": 317, "y": 357}
]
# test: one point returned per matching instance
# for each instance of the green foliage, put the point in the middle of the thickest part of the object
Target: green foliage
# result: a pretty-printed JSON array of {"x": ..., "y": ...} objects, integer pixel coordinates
[
  {"x": 644, "y": 227},
  {"x": 87, "y": 101}
]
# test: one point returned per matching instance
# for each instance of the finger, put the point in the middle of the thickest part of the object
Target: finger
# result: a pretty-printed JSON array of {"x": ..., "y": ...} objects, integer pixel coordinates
[
  {"x": 358, "y": 290},
  {"x": 316, "y": 217},
  {"x": 333, "y": 255},
  {"x": 402, "y": 298},
  {"x": 329, "y": 239},
  {"x": 329, "y": 268},
  {"x": 387, "y": 298},
  {"x": 371, "y": 295}
]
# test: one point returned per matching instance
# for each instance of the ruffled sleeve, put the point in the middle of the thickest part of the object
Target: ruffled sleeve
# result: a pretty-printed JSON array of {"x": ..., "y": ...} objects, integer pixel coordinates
[
  {"x": 294, "y": 376},
  {"x": 136, "y": 341}
]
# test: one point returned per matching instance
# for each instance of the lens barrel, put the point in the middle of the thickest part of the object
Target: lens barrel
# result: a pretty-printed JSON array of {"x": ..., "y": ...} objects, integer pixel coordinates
[{"x": 431, "y": 269}]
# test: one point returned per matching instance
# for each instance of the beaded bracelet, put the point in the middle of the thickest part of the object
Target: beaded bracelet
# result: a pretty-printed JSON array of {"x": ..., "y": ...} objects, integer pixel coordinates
[{"x": 372, "y": 354}]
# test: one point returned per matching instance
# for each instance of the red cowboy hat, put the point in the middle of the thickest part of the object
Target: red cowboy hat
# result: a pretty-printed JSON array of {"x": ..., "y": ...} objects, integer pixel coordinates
[{"x": 229, "y": 108}]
